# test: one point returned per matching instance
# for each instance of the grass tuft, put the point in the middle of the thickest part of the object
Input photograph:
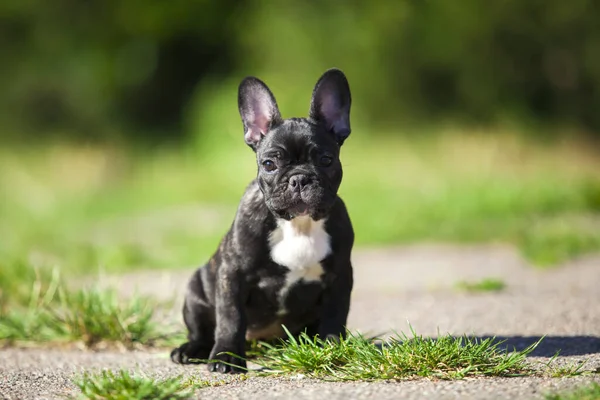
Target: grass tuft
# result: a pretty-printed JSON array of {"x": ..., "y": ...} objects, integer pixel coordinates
[
  {"x": 16, "y": 277},
  {"x": 567, "y": 370},
  {"x": 99, "y": 315},
  {"x": 485, "y": 285},
  {"x": 91, "y": 316},
  {"x": 588, "y": 392},
  {"x": 125, "y": 386},
  {"x": 401, "y": 357}
]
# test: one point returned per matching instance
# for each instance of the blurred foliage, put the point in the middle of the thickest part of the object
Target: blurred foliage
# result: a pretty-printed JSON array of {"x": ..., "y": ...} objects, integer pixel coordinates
[
  {"x": 84, "y": 209},
  {"x": 101, "y": 69}
]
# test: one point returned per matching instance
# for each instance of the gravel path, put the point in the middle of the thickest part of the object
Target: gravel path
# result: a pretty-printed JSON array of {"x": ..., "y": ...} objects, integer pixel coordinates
[{"x": 394, "y": 287}]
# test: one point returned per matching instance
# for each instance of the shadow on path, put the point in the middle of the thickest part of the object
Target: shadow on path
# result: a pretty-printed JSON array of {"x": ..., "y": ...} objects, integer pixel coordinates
[
  {"x": 565, "y": 345},
  {"x": 548, "y": 347}
]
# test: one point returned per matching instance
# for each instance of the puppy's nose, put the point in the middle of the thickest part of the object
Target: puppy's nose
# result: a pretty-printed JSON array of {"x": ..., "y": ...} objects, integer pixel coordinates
[{"x": 297, "y": 182}]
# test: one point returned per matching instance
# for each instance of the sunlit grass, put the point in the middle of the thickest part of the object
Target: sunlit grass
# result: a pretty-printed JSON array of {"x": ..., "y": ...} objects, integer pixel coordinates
[
  {"x": 123, "y": 385},
  {"x": 566, "y": 370},
  {"x": 90, "y": 316},
  {"x": 400, "y": 357}
]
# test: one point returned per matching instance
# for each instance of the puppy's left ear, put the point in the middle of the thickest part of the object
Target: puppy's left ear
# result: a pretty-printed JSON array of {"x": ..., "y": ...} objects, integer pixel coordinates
[{"x": 330, "y": 104}]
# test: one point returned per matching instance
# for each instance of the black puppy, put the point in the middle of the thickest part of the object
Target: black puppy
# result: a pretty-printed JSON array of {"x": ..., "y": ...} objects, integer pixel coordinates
[{"x": 286, "y": 258}]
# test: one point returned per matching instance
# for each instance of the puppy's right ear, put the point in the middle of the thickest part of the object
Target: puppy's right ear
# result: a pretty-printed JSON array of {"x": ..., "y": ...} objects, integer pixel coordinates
[{"x": 258, "y": 110}]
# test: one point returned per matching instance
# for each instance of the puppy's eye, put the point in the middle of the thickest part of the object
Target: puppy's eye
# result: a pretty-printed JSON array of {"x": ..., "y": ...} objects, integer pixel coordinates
[
  {"x": 269, "y": 165},
  {"x": 326, "y": 161}
]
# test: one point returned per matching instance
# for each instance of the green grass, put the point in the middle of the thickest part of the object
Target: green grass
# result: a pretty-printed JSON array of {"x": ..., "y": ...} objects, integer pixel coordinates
[
  {"x": 565, "y": 370},
  {"x": 587, "y": 392},
  {"x": 91, "y": 316},
  {"x": 401, "y": 357},
  {"x": 17, "y": 279},
  {"x": 123, "y": 385},
  {"x": 484, "y": 285},
  {"x": 355, "y": 358}
]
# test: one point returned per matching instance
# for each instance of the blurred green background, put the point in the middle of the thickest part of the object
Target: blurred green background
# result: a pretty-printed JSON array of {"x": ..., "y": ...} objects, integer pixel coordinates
[
  {"x": 156, "y": 70},
  {"x": 121, "y": 144}
]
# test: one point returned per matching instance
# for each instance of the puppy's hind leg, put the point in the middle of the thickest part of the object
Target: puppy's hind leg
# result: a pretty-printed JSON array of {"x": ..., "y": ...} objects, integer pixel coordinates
[{"x": 199, "y": 318}]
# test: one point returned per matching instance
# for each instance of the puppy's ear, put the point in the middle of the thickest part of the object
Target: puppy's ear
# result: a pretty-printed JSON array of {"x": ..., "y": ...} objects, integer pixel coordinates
[
  {"x": 258, "y": 110},
  {"x": 330, "y": 104}
]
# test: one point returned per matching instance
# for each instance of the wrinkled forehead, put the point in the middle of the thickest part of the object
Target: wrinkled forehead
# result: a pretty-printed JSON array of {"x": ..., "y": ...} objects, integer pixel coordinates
[{"x": 297, "y": 133}]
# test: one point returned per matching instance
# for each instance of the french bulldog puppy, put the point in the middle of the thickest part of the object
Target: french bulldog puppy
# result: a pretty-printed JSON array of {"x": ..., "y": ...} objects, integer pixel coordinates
[{"x": 286, "y": 258}]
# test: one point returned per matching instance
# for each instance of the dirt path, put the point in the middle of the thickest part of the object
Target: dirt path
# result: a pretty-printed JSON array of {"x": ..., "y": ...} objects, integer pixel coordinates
[{"x": 393, "y": 287}]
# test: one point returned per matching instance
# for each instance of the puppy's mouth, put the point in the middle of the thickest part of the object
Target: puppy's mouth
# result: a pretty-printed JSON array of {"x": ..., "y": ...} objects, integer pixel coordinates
[{"x": 299, "y": 210}]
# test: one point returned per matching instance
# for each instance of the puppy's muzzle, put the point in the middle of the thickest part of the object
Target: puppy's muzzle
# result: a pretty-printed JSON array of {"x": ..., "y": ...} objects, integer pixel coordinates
[{"x": 298, "y": 182}]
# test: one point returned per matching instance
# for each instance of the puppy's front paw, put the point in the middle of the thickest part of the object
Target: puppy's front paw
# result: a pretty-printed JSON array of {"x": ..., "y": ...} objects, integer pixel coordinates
[
  {"x": 190, "y": 353},
  {"x": 226, "y": 363}
]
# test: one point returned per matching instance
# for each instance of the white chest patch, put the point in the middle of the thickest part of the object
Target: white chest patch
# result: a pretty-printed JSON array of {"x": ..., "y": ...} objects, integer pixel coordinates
[{"x": 300, "y": 245}]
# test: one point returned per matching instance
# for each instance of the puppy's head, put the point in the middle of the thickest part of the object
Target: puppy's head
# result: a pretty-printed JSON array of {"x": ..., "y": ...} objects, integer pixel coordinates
[{"x": 299, "y": 171}]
